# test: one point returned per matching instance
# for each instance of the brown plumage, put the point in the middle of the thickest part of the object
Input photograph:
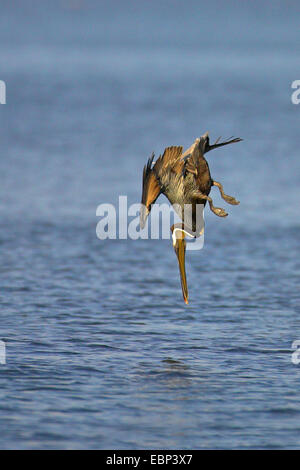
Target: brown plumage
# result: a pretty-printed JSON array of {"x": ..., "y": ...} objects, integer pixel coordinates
[{"x": 184, "y": 178}]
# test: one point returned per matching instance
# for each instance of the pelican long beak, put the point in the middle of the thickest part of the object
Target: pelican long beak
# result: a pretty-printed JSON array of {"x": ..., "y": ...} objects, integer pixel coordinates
[{"x": 180, "y": 252}]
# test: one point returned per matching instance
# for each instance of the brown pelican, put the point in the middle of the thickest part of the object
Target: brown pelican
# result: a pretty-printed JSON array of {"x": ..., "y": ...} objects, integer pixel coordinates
[{"x": 185, "y": 179}]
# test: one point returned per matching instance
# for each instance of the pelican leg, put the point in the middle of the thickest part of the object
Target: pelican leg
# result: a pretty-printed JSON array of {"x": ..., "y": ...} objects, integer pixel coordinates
[
  {"x": 229, "y": 199},
  {"x": 216, "y": 210}
]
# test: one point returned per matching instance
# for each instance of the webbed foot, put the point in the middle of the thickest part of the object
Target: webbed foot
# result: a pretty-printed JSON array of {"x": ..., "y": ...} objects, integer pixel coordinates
[
  {"x": 230, "y": 200},
  {"x": 218, "y": 211}
]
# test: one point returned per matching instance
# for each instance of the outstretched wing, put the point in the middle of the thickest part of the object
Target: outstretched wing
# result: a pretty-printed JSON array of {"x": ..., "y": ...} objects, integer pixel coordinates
[{"x": 154, "y": 178}]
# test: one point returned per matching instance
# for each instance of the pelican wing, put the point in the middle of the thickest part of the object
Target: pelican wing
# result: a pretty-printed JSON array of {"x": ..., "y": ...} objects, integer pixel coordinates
[
  {"x": 170, "y": 160},
  {"x": 194, "y": 154},
  {"x": 154, "y": 177},
  {"x": 150, "y": 192},
  {"x": 209, "y": 147},
  {"x": 206, "y": 147}
]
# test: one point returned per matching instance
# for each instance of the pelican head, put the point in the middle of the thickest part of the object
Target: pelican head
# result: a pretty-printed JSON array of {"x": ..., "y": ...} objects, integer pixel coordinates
[{"x": 179, "y": 232}]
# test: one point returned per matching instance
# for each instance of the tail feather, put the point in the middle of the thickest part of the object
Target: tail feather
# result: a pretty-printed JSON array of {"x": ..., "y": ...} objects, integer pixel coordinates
[{"x": 221, "y": 144}]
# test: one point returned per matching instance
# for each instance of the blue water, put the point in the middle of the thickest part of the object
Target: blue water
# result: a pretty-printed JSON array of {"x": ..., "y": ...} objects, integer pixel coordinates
[{"x": 101, "y": 350}]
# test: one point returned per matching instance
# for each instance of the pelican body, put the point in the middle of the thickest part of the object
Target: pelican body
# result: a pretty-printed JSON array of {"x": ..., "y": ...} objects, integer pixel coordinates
[{"x": 185, "y": 179}]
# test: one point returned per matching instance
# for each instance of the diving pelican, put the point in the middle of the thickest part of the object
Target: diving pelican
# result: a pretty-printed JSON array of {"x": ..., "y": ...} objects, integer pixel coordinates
[{"x": 184, "y": 178}]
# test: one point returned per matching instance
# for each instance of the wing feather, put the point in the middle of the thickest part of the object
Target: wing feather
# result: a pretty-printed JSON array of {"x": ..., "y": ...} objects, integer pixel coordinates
[
  {"x": 151, "y": 187},
  {"x": 153, "y": 178},
  {"x": 169, "y": 160}
]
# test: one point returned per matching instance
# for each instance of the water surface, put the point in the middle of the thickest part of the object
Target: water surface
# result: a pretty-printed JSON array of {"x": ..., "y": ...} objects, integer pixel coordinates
[{"x": 101, "y": 350}]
